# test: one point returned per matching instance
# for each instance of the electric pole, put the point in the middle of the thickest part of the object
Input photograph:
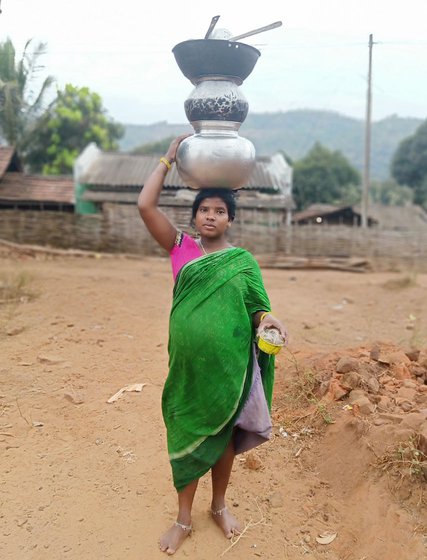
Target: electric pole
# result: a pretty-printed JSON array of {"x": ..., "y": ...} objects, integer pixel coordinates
[{"x": 365, "y": 192}]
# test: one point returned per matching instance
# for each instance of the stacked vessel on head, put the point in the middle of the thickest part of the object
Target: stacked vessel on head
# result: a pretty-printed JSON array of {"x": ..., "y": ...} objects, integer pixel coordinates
[{"x": 216, "y": 156}]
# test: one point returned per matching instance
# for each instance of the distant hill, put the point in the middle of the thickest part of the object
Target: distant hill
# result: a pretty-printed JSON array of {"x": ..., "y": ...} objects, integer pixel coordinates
[{"x": 295, "y": 132}]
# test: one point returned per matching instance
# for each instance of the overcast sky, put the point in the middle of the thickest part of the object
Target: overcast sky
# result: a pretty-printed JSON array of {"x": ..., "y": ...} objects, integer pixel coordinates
[{"x": 318, "y": 59}]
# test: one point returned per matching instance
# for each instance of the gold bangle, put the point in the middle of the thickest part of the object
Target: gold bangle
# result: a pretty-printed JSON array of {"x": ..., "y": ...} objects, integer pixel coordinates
[
  {"x": 166, "y": 162},
  {"x": 264, "y": 314}
]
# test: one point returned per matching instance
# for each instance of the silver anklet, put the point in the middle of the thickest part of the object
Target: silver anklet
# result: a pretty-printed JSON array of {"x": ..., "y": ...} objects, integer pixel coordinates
[
  {"x": 219, "y": 511},
  {"x": 185, "y": 528}
]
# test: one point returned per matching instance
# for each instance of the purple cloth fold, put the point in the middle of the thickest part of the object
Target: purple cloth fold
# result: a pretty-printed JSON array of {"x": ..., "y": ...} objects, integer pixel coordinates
[{"x": 253, "y": 426}]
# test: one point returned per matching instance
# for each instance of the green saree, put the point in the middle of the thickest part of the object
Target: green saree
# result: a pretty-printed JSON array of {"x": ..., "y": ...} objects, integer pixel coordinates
[{"x": 211, "y": 358}]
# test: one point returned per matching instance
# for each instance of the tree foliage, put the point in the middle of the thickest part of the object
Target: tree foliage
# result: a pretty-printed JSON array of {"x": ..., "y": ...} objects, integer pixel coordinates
[
  {"x": 159, "y": 147},
  {"x": 74, "y": 119},
  {"x": 19, "y": 103},
  {"x": 390, "y": 193},
  {"x": 325, "y": 176},
  {"x": 409, "y": 164}
]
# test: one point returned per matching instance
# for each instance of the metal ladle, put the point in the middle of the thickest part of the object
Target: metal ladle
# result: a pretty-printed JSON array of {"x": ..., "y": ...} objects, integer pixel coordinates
[
  {"x": 211, "y": 26},
  {"x": 256, "y": 31}
]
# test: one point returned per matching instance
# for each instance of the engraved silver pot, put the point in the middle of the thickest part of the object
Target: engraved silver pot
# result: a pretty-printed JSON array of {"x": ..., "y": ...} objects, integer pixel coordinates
[
  {"x": 215, "y": 156},
  {"x": 216, "y": 100}
]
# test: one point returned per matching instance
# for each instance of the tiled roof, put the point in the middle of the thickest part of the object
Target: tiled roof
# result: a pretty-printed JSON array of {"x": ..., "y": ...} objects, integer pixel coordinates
[
  {"x": 385, "y": 217},
  {"x": 125, "y": 170},
  {"x": 6, "y": 155},
  {"x": 37, "y": 188},
  {"x": 316, "y": 210},
  {"x": 410, "y": 216},
  {"x": 131, "y": 170}
]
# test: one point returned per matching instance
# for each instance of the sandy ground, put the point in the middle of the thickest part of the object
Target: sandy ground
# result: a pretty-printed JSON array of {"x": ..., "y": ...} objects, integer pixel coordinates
[{"x": 84, "y": 479}]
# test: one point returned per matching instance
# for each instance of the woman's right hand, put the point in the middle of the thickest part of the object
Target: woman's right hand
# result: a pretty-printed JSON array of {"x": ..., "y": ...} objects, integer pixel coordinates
[{"x": 173, "y": 148}]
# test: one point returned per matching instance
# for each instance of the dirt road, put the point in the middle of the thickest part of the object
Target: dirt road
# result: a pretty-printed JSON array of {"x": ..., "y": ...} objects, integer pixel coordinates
[{"x": 84, "y": 479}]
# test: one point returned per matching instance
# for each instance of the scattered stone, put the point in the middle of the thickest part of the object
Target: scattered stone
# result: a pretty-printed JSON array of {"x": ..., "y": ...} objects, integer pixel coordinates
[
  {"x": 380, "y": 421},
  {"x": 421, "y": 398},
  {"x": 323, "y": 388},
  {"x": 355, "y": 395},
  {"x": 50, "y": 359},
  {"x": 375, "y": 353},
  {"x": 74, "y": 397},
  {"x": 306, "y": 539},
  {"x": 346, "y": 364},
  {"x": 407, "y": 393},
  {"x": 396, "y": 358},
  {"x": 364, "y": 405},
  {"x": 395, "y": 418},
  {"x": 335, "y": 390},
  {"x": 409, "y": 384},
  {"x": 373, "y": 385},
  {"x": 351, "y": 380},
  {"x": 404, "y": 404},
  {"x": 13, "y": 331},
  {"x": 400, "y": 371},
  {"x": 383, "y": 403},
  {"x": 252, "y": 462},
  {"x": 413, "y": 355}
]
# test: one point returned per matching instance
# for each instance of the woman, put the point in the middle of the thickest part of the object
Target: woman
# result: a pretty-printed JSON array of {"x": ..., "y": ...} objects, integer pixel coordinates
[{"x": 217, "y": 396}]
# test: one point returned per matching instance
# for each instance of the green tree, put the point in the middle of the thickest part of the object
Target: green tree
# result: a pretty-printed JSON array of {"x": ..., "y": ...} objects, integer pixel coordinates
[
  {"x": 409, "y": 164},
  {"x": 325, "y": 176},
  {"x": 19, "y": 104},
  {"x": 74, "y": 119},
  {"x": 159, "y": 147},
  {"x": 390, "y": 193}
]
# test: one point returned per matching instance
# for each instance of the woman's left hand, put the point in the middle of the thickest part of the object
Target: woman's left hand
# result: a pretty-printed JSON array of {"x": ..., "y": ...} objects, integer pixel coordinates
[{"x": 271, "y": 322}]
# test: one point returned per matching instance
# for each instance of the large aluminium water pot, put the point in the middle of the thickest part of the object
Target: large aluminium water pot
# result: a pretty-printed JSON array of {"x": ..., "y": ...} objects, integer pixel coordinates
[{"x": 215, "y": 156}]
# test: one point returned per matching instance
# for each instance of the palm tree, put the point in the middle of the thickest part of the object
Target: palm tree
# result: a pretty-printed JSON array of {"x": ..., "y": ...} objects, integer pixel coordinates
[{"x": 19, "y": 103}]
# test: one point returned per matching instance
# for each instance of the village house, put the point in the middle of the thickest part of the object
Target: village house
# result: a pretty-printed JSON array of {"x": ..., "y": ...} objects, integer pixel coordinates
[
  {"x": 392, "y": 218},
  {"x": 19, "y": 191},
  {"x": 107, "y": 180}
]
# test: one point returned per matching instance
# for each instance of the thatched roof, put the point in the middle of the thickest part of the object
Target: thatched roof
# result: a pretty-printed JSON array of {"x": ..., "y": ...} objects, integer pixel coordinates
[
  {"x": 36, "y": 188},
  {"x": 406, "y": 217},
  {"x": 410, "y": 217}
]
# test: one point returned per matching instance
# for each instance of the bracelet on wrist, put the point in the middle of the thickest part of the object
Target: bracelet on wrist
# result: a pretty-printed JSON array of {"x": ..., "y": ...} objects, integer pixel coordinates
[
  {"x": 166, "y": 162},
  {"x": 264, "y": 314}
]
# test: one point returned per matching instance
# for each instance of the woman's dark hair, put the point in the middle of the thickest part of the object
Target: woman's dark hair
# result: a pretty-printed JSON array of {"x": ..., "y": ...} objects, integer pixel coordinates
[{"x": 227, "y": 195}]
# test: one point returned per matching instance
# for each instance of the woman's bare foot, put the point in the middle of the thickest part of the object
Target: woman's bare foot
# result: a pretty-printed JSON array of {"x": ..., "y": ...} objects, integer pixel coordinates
[
  {"x": 173, "y": 539},
  {"x": 226, "y": 521}
]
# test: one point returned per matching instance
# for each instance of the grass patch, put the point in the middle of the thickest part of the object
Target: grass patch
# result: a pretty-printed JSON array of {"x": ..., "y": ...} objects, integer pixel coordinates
[
  {"x": 15, "y": 288},
  {"x": 407, "y": 281},
  {"x": 299, "y": 403},
  {"x": 405, "y": 462}
]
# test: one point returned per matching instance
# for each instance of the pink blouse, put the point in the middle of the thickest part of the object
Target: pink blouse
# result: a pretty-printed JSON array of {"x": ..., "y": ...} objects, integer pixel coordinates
[{"x": 185, "y": 250}]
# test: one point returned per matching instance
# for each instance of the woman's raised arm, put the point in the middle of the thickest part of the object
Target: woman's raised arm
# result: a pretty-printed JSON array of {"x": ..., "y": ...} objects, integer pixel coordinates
[{"x": 158, "y": 224}]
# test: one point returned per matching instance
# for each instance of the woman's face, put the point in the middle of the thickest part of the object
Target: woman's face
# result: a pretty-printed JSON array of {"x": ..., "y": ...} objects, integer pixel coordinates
[{"x": 212, "y": 217}]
